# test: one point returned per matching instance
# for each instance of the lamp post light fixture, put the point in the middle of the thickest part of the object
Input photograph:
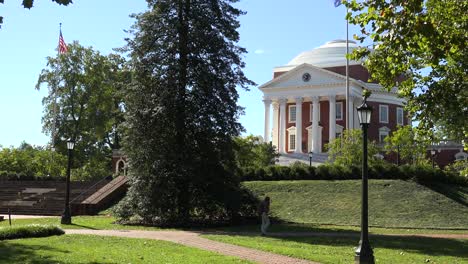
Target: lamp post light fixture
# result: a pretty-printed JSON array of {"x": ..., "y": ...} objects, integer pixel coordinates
[
  {"x": 364, "y": 253},
  {"x": 66, "y": 216},
  {"x": 310, "y": 158},
  {"x": 433, "y": 152}
]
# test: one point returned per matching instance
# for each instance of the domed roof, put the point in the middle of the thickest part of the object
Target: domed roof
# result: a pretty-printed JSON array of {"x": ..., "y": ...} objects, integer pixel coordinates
[{"x": 332, "y": 54}]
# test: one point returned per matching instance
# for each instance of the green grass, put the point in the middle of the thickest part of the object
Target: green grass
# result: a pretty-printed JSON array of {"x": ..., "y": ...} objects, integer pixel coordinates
[
  {"x": 94, "y": 249},
  {"x": 80, "y": 222},
  {"x": 336, "y": 250},
  {"x": 392, "y": 203},
  {"x": 27, "y": 231}
]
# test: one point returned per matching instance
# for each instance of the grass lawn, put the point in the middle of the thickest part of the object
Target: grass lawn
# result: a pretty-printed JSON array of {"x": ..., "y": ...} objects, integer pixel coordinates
[
  {"x": 392, "y": 203},
  {"x": 79, "y": 222},
  {"x": 95, "y": 249},
  {"x": 336, "y": 250}
]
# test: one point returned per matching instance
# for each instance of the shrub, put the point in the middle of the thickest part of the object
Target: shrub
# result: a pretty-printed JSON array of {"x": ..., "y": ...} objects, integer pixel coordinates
[
  {"x": 423, "y": 173},
  {"x": 27, "y": 231}
]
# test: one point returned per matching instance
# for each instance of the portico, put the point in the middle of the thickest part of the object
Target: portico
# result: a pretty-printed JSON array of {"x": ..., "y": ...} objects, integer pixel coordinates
[
  {"x": 305, "y": 102},
  {"x": 298, "y": 125}
]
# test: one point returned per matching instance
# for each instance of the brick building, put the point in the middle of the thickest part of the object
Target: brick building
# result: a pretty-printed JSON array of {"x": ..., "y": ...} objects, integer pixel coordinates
[{"x": 308, "y": 97}]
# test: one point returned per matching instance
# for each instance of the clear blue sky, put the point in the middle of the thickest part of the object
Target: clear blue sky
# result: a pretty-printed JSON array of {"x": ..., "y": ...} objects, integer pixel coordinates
[{"x": 272, "y": 31}]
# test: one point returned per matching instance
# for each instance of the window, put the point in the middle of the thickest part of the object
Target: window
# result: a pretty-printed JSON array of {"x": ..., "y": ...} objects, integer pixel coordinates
[
  {"x": 339, "y": 110},
  {"x": 383, "y": 113},
  {"x": 292, "y": 138},
  {"x": 399, "y": 116},
  {"x": 292, "y": 113},
  {"x": 382, "y": 136},
  {"x": 292, "y": 142},
  {"x": 312, "y": 111},
  {"x": 383, "y": 133}
]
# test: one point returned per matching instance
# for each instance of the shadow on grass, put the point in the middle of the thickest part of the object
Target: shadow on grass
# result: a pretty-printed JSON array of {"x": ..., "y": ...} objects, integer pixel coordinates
[
  {"x": 457, "y": 193},
  {"x": 349, "y": 238},
  {"x": 11, "y": 252},
  {"x": 82, "y": 226},
  {"x": 413, "y": 244}
]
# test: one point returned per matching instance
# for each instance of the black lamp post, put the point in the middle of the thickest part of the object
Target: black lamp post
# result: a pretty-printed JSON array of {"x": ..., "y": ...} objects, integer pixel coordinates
[
  {"x": 364, "y": 253},
  {"x": 66, "y": 217},
  {"x": 310, "y": 158},
  {"x": 433, "y": 152}
]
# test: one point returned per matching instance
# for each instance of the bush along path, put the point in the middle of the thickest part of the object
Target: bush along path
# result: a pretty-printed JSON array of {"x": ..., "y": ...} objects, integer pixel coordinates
[{"x": 193, "y": 239}]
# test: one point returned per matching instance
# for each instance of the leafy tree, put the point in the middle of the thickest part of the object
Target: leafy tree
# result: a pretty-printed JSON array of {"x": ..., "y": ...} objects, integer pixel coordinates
[
  {"x": 425, "y": 40},
  {"x": 84, "y": 103},
  {"x": 347, "y": 149},
  {"x": 29, "y": 3},
  {"x": 183, "y": 113},
  {"x": 410, "y": 145},
  {"x": 251, "y": 151},
  {"x": 32, "y": 161}
]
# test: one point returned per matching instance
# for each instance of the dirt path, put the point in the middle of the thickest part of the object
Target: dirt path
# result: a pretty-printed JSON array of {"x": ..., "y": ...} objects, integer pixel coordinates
[{"x": 193, "y": 239}]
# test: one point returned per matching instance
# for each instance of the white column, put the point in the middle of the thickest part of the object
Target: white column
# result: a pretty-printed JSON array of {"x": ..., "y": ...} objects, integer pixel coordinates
[
  {"x": 266, "y": 134},
  {"x": 315, "y": 127},
  {"x": 350, "y": 112},
  {"x": 282, "y": 129},
  {"x": 332, "y": 119},
  {"x": 356, "y": 118},
  {"x": 275, "y": 125},
  {"x": 298, "y": 125}
]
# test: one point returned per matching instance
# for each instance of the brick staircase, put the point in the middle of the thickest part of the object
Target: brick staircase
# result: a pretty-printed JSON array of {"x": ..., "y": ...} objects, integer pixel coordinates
[
  {"x": 38, "y": 197},
  {"x": 101, "y": 198}
]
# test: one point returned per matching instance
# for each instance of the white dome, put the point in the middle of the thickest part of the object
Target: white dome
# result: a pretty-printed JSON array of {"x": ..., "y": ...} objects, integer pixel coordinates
[{"x": 332, "y": 54}]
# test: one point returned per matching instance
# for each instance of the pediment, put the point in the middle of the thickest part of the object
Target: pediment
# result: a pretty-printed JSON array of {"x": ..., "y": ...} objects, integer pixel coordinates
[{"x": 294, "y": 78}]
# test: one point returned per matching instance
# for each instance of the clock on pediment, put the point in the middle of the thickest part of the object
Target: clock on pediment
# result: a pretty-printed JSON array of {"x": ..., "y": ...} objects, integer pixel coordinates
[{"x": 306, "y": 77}]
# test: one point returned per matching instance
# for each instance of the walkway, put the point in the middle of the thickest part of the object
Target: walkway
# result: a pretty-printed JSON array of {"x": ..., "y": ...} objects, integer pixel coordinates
[{"x": 193, "y": 239}]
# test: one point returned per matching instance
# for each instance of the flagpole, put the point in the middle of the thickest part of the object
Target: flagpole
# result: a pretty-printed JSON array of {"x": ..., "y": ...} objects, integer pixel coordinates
[
  {"x": 347, "y": 72},
  {"x": 54, "y": 124}
]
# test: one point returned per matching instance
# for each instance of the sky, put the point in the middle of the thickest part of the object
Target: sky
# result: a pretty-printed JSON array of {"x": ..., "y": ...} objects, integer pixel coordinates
[{"x": 273, "y": 32}]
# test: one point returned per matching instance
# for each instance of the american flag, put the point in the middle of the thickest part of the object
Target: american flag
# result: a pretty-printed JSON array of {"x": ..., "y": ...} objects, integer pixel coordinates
[
  {"x": 62, "y": 45},
  {"x": 337, "y": 3}
]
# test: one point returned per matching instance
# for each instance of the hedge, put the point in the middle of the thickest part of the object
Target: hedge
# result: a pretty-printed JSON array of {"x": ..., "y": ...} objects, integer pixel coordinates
[
  {"x": 419, "y": 173},
  {"x": 13, "y": 176},
  {"x": 26, "y": 231}
]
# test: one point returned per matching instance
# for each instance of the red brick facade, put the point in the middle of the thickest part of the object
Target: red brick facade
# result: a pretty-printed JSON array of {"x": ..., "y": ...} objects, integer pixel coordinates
[{"x": 325, "y": 124}]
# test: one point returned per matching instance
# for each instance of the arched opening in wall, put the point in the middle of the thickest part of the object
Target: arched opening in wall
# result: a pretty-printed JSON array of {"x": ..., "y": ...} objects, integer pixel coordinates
[{"x": 121, "y": 168}]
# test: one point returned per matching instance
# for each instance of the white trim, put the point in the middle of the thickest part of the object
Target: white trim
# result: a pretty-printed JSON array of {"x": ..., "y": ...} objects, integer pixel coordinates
[
  {"x": 289, "y": 113},
  {"x": 339, "y": 130},
  {"x": 341, "y": 111},
  {"x": 461, "y": 156},
  {"x": 400, "y": 109},
  {"x": 291, "y": 132},
  {"x": 381, "y": 106},
  {"x": 383, "y": 131}
]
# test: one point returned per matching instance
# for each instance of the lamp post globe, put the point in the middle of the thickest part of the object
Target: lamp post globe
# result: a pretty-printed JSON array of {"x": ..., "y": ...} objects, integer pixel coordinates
[
  {"x": 66, "y": 216},
  {"x": 364, "y": 253}
]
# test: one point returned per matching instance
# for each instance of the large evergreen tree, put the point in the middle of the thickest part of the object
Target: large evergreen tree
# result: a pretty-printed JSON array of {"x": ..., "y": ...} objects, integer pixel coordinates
[{"x": 183, "y": 113}]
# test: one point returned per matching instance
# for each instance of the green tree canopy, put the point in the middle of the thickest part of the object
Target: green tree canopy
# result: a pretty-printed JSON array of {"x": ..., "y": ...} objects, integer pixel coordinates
[
  {"x": 32, "y": 161},
  {"x": 183, "y": 113},
  {"x": 410, "y": 146},
  {"x": 84, "y": 102},
  {"x": 427, "y": 42},
  {"x": 347, "y": 149},
  {"x": 251, "y": 151}
]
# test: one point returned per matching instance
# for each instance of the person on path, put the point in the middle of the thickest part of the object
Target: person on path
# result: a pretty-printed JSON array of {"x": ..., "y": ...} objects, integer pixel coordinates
[{"x": 264, "y": 209}]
